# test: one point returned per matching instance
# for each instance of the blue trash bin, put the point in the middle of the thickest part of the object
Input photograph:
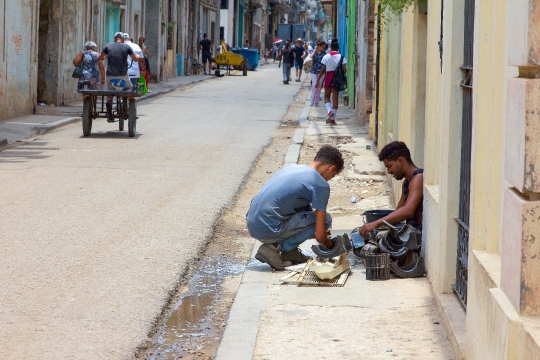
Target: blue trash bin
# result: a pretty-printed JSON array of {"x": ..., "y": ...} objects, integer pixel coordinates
[{"x": 251, "y": 55}]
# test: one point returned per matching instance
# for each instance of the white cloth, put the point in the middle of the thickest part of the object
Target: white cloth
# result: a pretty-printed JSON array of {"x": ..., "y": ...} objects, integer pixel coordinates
[
  {"x": 332, "y": 61},
  {"x": 133, "y": 66}
]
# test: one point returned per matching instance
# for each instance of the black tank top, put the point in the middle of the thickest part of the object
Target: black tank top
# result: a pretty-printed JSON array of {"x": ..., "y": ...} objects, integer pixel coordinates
[{"x": 406, "y": 195}]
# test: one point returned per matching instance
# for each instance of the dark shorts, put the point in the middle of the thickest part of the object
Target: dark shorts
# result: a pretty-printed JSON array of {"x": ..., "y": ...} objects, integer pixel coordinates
[
  {"x": 298, "y": 64},
  {"x": 206, "y": 57}
]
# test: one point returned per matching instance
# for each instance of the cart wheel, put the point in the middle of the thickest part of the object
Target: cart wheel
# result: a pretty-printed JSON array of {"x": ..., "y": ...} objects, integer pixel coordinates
[
  {"x": 87, "y": 116},
  {"x": 132, "y": 118},
  {"x": 244, "y": 70}
]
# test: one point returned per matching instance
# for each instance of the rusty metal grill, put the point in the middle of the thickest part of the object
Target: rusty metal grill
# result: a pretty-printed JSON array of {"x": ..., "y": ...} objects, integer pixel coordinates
[
  {"x": 308, "y": 278},
  {"x": 460, "y": 287}
]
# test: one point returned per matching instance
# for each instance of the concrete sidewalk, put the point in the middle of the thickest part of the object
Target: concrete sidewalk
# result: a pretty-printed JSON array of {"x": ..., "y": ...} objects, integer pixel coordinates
[
  {"x": 48, "y": 118},
  {"x": 364, "y": 319}
]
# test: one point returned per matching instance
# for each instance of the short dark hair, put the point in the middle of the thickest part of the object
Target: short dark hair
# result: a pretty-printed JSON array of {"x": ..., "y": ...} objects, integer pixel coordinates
[
  {"x": 328, "y": 154},
  {"x": 205, "y": 35},
  {"x": 394, "y": 150},
  {"x": 334, "y": 45}
]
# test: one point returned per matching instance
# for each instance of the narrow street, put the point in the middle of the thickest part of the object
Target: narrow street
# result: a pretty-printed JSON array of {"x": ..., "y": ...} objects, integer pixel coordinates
[{"x": 98, "y": 231}]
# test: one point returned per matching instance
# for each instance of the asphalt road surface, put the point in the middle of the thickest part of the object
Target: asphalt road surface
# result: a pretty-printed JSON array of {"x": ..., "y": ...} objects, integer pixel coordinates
[{"x": 96, "y": 232}]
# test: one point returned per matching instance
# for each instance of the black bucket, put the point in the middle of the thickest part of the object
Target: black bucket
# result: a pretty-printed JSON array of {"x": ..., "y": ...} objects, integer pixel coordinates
[
  {"x": 373, "y": 215},
  {"x": 377, "y": 266}
]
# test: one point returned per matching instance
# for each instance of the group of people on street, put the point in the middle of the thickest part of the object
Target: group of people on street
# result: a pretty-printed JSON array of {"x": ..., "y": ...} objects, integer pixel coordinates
[
  {"x": 292, "y": 55},
  {"x": 94, "y": 77},
  {"x": 323, "y": 67},
  {"x": 125, "y": 62},
  {"x": 292, "y": 206}
]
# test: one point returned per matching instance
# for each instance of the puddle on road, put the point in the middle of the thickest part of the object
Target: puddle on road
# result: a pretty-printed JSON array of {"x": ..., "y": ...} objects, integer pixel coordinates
[{"x": 192, "y": 314}]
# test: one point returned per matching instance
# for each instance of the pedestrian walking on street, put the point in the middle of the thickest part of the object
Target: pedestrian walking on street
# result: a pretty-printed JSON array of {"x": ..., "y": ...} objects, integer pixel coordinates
[
  {"x": 291, "y": 208},
  {"x": 117, "y": 68},
  {"x": 299, "y": 55},
  {"x": 90, "y": 69},
  {"x": 275, "y": 52},
  {"x": 287, "y": 58},
  {"x": 206, "y": 46},
  {"x": 316, "y": 66},
  {"x": 330, "y": 62}
]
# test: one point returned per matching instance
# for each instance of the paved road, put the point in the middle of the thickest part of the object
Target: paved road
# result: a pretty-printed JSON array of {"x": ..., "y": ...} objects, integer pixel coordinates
[{"x": 97, "y": 231}]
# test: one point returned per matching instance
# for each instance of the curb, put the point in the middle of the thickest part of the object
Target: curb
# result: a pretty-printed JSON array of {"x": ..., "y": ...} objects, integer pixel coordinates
[
  {"x": 240, "y": 335},
  {"x": 44, "y": 128}
]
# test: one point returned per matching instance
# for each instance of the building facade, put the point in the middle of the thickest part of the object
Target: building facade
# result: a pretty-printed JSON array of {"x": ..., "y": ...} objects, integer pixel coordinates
[{"x": 458, "y": 83}]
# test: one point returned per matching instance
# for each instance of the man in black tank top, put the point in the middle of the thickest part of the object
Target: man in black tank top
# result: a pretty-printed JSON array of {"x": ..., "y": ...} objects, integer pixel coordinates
[{"x": 397, "y": 160}]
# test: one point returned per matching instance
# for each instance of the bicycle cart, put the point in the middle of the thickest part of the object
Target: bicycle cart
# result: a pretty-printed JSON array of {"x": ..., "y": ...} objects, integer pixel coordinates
[{"x": 124, "y": 107}]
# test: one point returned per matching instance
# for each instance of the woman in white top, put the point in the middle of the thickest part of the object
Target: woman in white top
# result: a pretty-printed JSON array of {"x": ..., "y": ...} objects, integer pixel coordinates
[{"x": 330, "y": 62}]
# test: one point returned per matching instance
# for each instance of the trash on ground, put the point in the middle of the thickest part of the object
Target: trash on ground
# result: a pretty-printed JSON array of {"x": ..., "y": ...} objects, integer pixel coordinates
[{"x": 353, "y": 199}]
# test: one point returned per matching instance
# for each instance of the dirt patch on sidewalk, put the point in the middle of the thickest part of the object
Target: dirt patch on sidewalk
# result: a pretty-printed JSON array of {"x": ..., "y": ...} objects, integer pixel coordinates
[{"x": 350, "y": 194}]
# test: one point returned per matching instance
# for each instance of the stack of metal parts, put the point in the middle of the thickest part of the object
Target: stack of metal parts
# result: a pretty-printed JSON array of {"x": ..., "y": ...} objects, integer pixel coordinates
[{"x": 403, "y": 245}]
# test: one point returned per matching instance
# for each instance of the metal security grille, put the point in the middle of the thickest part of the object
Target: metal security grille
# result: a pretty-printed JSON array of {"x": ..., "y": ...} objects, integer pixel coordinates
[{"x": 460, "y": 286}]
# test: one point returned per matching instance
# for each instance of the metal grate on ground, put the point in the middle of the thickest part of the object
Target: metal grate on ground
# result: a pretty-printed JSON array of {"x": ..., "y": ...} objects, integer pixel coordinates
[{"x": 309, "y": 278}]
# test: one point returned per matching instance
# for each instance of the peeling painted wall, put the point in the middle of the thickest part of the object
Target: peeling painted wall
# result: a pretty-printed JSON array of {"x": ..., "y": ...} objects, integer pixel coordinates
[{"x": 17, "y": 58}]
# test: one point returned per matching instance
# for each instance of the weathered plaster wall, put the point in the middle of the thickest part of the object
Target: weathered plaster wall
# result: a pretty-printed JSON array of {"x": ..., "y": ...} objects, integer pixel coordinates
[
  {"x": 18, "y": 58},
  {"x": 413, "y": 84},
  {"x": 442, "y": 139}
]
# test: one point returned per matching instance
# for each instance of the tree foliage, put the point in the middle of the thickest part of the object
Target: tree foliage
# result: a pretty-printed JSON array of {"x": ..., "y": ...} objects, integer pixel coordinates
[{"x": 391, "y": 10}]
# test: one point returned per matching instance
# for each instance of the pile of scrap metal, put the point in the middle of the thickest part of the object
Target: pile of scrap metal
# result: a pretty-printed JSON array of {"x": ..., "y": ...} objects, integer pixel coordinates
[{"x": 403, "y": 245}]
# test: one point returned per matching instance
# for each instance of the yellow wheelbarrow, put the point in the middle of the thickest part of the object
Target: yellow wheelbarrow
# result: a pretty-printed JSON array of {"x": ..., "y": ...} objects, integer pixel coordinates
[{"x": 228, "y": 59}]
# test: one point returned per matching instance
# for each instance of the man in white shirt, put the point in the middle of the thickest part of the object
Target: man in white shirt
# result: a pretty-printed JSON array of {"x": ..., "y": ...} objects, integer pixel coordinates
[{"x": 134, "y": 70}]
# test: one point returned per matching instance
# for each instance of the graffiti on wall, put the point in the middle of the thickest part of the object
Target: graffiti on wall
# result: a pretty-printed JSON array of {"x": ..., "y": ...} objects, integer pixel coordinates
[{"x": 17, "y": 41}]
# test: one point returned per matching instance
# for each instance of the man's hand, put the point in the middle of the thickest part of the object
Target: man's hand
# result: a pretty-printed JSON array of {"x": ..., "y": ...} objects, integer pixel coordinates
[{"x": 367, "y": 228}]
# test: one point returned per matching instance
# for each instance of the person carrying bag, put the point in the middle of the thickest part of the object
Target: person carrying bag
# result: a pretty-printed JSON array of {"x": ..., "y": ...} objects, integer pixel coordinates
[
  {"x": 333, "y": 70},
  {"x": 339, "y": 81}
]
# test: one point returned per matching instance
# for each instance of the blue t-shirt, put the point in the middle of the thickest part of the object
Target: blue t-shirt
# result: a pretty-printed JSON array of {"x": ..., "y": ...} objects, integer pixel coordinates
[{"x": 289, "y": 189}]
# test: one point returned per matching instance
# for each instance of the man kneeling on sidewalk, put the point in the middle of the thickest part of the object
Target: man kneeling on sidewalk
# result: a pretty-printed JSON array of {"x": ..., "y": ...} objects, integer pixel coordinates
[{"x": 281, "y": 215}]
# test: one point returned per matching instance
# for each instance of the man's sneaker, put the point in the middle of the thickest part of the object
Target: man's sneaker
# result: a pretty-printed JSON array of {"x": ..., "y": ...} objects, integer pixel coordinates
[
  {"x": 332, "y": 122},
  {"x": 295, "y": 256},
  {"x": 269, "y": 254},
  {"x": 330, "y": 117},
  {"x": 316, "y": 104}
]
